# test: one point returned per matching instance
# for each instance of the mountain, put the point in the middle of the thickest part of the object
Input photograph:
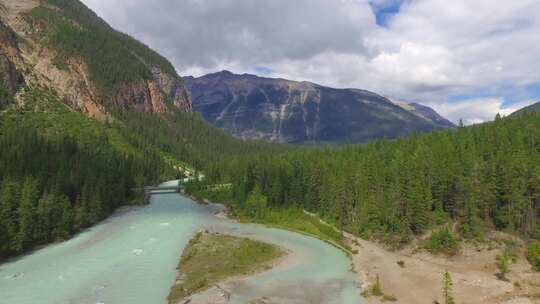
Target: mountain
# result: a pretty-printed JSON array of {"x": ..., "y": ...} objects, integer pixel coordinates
[
  {"x": 61, "y": 44},
  {"x": 58, "y": 53},
  {"x": 534, "y": 108},
  {"x": 285, "y": 111},
  {"x": 86, "y": 115},
  {"x": 425, "y": 112}
]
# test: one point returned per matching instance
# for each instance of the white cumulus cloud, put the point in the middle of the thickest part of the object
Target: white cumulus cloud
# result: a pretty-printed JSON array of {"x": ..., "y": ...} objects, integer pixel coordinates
[{"x": 428, "y": 52}]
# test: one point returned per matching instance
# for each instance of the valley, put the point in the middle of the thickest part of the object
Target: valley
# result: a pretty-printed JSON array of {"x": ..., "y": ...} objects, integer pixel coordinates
[
  {"x": 292, "y": 192},
  {"x": 132, "y": 258}
]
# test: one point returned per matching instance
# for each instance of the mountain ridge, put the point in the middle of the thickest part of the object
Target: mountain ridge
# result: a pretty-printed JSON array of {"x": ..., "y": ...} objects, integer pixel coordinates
[
  {"x": 535, "y": 107},
  {"x": 64, "y": 45},
  {"x": 287, "y": 111}
]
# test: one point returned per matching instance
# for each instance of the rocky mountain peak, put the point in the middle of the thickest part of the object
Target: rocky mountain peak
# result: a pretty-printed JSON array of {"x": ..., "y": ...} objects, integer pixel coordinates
[
  {"x": 122, "y": 72},
  {"x": 286, "y": 111}
]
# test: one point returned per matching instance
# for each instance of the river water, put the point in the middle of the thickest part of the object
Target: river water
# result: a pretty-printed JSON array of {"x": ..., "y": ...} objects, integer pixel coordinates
[{"x": 131, "y": 258}]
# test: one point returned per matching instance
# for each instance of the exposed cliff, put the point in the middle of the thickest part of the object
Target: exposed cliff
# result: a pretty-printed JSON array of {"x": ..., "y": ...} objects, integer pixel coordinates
[
  {"x": 287, "y": 111},
  {"x": 62, "y": 45}
]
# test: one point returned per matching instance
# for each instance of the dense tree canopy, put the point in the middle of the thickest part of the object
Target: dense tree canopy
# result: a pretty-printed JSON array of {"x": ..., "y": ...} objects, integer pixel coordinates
[
  {"x": 61, "y": 171},
  {"x": 482, "y": 177},
  {"x": 51, "y": 187}
]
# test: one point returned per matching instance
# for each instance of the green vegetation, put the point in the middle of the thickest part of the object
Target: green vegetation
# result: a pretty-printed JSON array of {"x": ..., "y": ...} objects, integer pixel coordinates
[
  {"x": 298, "y": 221},
  {"x": 376, "y": 291},
  {"x": 529, "y": 109},
  {"x": 212, "y": 258},
  {"x": 505, "y": 260},
  {"x": 442, "y": 241},
  {"x": 447, "y": 289},
  {"x": 186, "y": 137},
  {"x": 61, "y": 172},
  {"x": 257, "y": 211},
  {"x": 533, "y": 255},
  {"x": 6, "y": 98},
  {"x": 43, "y": 110},
  {"x": 481, "y": 177},
  {"x": 114, "y": 59}
]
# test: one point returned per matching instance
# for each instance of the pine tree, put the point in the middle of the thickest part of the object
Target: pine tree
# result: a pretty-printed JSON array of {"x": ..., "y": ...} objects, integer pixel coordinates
[
  {"x": 447, "y": 288},
  {"x": 256, "y": 202},
  {"x": 8, "y": 214},
  {"x": 27, "y": 215},
  {"x": 64, "y": 226},
  {"x": 376, "y": 290},
  {"x": 503, "y": 263},
  {"x": 45, "y": 218}
]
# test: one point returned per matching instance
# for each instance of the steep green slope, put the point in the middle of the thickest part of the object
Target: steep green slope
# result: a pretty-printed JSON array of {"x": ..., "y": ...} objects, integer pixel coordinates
[
  {"x": 114, "y": 59},
  {"x": 534, "y": 108},
  {"x": 482, "y": 177},
  {"x": 117, "y": 61},
  {"x": 61, "y": 172},
  {"x": 87, "y": 114}
]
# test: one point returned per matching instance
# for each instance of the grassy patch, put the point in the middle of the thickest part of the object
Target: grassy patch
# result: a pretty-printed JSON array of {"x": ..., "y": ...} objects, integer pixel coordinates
[
  {"x": 298, "y": 221},
  {"x": 211, "y": 258},
  {"x": 44, "y": 110},
  {"x": 292, "y": 219}
]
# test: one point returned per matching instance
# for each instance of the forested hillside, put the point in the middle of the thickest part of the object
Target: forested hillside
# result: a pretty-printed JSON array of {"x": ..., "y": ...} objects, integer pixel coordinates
[
  {"x": 61, "y": 172},
  {"x": 534, "y": 108},
  {"x": 86, "y": 114},
  {"x": 481, "y": 177},
  {"x": 57, "y": 163},
  {"x": 117, "y": 69}
]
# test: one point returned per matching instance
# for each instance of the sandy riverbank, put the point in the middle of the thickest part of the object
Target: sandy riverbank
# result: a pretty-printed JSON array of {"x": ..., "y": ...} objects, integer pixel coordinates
[{"x": 420, "y": 280}]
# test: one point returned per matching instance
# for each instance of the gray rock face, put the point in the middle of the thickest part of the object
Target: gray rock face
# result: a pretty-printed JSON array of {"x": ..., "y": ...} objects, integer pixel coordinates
[
  {"x": 430, "y": 114},
  {"x": 285, "y": 111},
  {"x": 27, "y": 58}
]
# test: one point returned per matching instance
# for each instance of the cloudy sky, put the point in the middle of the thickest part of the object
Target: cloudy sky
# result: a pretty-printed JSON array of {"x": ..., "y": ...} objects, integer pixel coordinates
[{"x": 468, "y": 59}]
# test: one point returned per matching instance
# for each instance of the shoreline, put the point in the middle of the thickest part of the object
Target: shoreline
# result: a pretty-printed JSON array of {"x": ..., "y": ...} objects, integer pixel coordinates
[
  {"x": 117, "y": 212},
  {"x": 217, "y": 289},
  {"x": 473, "y": 273}
]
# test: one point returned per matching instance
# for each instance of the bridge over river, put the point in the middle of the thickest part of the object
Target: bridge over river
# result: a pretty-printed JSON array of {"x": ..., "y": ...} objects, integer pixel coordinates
[{"x": 163, "y": 188}]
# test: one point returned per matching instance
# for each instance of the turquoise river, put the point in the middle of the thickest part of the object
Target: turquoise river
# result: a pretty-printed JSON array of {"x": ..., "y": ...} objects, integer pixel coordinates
[{"x": 131, "y": 258}]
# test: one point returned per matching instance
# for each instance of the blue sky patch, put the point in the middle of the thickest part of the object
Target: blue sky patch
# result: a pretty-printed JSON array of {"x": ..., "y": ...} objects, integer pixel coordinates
[
  {"x": 384, "y": 10},
  {"x": 263, "y": 71}
]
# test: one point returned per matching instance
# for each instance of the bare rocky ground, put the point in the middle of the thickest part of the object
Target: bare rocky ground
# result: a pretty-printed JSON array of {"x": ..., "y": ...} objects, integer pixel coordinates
[
  {"x": 419, "y": 280},
  {"x": 17, "y": 6}
]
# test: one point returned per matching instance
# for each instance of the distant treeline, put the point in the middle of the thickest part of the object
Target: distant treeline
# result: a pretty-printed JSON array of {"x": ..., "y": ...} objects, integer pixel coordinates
[
  {"x": 187, "y": 137},
  {"x": 482, "y": 177}
]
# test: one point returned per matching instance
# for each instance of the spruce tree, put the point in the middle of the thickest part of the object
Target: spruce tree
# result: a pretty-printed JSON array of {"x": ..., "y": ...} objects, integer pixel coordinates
[
  {"x": 447, "y": 289},
  {"x": 8, "y": 213},
  {"x": 27, "y": 215}
]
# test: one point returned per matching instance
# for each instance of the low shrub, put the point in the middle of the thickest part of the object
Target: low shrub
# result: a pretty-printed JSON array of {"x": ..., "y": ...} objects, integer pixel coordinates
[
  {"x": 533, "y": 255},
  {"x": 442, "y": 241}
]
